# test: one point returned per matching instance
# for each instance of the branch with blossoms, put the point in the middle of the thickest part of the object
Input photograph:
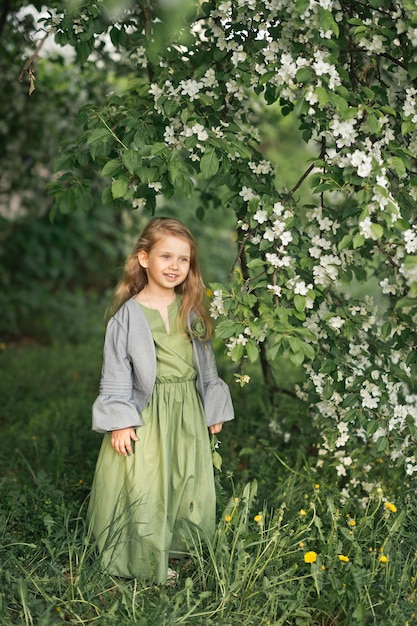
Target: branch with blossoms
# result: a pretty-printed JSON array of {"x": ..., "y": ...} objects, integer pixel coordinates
[{"x": 346, "y": 72}]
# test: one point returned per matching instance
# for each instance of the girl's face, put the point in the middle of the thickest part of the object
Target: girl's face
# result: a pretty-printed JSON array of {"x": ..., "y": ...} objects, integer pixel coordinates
[{"x": 168, "y": 262}]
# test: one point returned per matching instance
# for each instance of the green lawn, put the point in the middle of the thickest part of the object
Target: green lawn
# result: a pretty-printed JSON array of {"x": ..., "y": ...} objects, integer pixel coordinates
[{"x": 287, "y": 551}]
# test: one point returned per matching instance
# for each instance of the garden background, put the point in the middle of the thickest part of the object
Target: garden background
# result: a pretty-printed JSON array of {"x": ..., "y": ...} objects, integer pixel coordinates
[{"x": 283, "y": 134}]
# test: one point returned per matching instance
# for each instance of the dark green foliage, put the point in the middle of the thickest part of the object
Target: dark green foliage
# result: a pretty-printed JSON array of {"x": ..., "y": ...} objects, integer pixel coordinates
[{"x": 48, "y": 269}]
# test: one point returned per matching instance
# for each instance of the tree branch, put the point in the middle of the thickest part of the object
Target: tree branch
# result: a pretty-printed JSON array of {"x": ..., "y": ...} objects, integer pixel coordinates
[
  {"x": 28, "y": 69},
  {"x": 238, "y": 256},
  {"x": 307, "y": 172}
]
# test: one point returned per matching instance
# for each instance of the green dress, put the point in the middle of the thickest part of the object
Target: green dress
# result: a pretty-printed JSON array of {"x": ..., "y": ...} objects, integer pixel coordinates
[{"x": 144, "y": 506}]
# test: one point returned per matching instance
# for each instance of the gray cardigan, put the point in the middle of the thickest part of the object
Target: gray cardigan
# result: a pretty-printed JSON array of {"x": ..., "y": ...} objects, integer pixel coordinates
[{"x": 129, "y": 373}]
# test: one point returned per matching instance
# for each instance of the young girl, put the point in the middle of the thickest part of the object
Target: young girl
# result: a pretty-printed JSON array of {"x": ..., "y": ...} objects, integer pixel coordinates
[{"x": 159, "y": 392}]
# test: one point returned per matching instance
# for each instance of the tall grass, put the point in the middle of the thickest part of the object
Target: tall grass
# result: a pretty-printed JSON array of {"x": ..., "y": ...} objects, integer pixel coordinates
[{"x": 287, "y": 549}]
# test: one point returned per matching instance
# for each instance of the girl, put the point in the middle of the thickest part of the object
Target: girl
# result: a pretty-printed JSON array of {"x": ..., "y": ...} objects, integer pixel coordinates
[{"x": 159, "y": 391}]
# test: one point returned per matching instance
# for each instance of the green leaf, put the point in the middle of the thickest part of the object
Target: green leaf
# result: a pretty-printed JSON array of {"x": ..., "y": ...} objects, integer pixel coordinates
[
  {"x": 217, "y": 460},
  {"x": 241, "y": 149},
  {"x": 358, "y": 241},
  {"x": 304, "y": 75},
  {"x": 322, "y": 96},
  {"x": 327, "y": 21},
  {"x": 266, "y": 77},
  {"x": 111, "y": 168},
  {"x": 67, "y": 202},
  {"x": 373, "y": 124},
  {"x": 309, "y": 351},
  {"x": 119, "y": 187},
  {"x": 327, "y": 391},
  {"x": 98, "y": 134},
  {"x": 83, "y": 51},
  {"x": 344, "y": 242},
  {"x": 252, "y": 351},
  {"x": 300, "y": 302},
  {"x": 377, "y": 231},
  {"x": 407, "y": 127},
  {"x": 296, "y": 358},
  {"x": 228, "y": 328},
  {"x": 301, "y": 6},
  {"x": 106, "y": 195},
  {"x": 296, "y": 344},
  {"x": 412, "y": 67},
  {"x": 132, "y": 161},
  {"x": 209, "y": 163},
  {"x": 255, "y": 263},
  {"x": 398, "y": 165},
  {"x": 386, "y": 330}
]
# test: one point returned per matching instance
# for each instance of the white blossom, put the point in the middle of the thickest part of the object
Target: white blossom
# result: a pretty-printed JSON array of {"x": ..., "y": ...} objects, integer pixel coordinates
[{"x": 260, "y": 216}]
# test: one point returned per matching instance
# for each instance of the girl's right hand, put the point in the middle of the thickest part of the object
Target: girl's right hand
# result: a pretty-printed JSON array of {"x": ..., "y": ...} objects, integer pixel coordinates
[{"x": 121, "y": 440}]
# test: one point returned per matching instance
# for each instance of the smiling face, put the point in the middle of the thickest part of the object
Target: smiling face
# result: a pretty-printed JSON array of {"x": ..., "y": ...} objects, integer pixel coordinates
[{"x": 167, "y": 264}]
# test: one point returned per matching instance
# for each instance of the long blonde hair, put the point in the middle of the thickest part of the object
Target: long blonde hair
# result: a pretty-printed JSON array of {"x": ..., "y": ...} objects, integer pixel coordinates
[{"x": 134, "y": 277}]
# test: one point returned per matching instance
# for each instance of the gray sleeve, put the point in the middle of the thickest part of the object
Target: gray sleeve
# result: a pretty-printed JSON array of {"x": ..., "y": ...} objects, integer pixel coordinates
[
  {"x": 115, "y": 408},
  {"x": 217, "y": 400},
  {"x": 218, "y": 405}
]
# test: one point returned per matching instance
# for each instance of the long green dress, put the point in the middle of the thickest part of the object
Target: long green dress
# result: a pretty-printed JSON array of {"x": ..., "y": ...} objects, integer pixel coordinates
[{"x": 141, "y": 505}]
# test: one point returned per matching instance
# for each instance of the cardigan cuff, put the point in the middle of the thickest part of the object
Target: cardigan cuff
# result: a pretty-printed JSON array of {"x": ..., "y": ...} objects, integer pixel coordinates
[{"x": 114, "y": 412}]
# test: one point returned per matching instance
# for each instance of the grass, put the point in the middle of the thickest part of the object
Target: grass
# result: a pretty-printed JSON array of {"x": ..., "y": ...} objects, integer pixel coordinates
[{"x": 287, "y": 550}]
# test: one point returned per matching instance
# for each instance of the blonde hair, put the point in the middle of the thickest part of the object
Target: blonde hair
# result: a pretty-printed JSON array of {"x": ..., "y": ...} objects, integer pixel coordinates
[{"x": 134, "y": 277}]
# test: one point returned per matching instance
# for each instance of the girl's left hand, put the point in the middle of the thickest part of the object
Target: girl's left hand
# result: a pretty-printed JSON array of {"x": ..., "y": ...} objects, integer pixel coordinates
[{"x": 216, "y": 428}]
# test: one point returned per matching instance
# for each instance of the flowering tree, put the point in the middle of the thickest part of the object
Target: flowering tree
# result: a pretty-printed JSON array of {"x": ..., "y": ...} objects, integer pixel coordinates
[{"x": 186, "y": 123}]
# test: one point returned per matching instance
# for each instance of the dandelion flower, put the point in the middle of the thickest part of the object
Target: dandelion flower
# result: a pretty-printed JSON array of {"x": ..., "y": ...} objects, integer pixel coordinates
[
  {"x": 316, "y": 486},
  {"x": 383, "y": 559},
  {"x": 343, "y": 558},
  {"x": 310, "y": 557},
  {"x": 390, "y": 507},
  {"x": 323, "y": 567},
  {"x": 258, "y": 518},
  {"x": 227, "y": 518},
  {"x": 302, "y": 512},
  {"x": 352, "y": 522}
]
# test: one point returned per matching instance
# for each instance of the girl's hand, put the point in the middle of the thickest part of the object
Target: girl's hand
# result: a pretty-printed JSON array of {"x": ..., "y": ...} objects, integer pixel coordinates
[
  {"x": 121, "y": 440},
  {"x": 216, "y": 428}
]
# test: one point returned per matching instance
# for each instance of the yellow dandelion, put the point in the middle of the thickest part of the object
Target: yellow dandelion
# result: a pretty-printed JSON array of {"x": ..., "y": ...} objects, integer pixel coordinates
[
  {"x": 310, "y": 557},
  {"x": 383, "y": 559},
  {"x": 352, "y": 522},
  {"x": 227, "y": 518},
  {"x": 323, "y": 567},
  {"x": 390, "y": 507},
  {"x": 343, "y": 558},
  {"x": 258, "y": 518},
  {"x": 316, "y": 486},
  {"x": 209, "y": 293},
  {"x": 302, "y": 512}
]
